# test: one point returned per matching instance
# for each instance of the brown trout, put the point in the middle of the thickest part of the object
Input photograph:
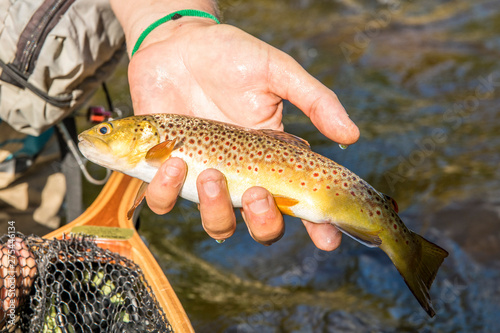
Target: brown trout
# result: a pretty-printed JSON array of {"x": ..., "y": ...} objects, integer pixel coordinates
[{"x": 304, "y": 184}]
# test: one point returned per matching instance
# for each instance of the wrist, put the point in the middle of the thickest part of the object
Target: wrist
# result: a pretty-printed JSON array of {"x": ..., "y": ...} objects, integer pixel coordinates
[{"x": 135, "y": 17}]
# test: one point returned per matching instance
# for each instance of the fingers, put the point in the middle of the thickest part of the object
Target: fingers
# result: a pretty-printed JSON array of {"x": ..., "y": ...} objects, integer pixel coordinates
[
  {"x": 163, "y": 190},
  {"x": 325, "y": 236},
  {"x": 317, "y": 101},
  {"x": 263, "y": 219},
  {"x": 216, "y": 209}
]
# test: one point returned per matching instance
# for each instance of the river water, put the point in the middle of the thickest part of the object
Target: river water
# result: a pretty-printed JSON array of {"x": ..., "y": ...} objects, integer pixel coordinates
[{"x": 422, "y": 81}]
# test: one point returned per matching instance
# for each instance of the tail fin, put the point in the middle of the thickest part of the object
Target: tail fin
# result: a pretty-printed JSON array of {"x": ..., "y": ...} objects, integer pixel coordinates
[{"x": 420, "y": 272}]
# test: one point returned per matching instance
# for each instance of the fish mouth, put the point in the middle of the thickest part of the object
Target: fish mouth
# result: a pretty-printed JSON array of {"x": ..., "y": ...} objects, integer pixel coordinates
[{"x": 91, "y": 147}]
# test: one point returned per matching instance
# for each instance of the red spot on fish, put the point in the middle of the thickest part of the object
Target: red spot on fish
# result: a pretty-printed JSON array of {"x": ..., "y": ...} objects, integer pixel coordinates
[
  {"x": 280, "y": 170},
  {"x": 249, "y": 167},
  {"x": 343, "y": 174},
  {"x": 290, "y": 181},
  {"x": 199, "y": 152},
  {"x": 220, "y": 158},
  {"x": 256, "y": 169},
  {"x": 273, "y": 169},
  {"x": 181, "y": 132},
  {"x": 170, "y": 125},
  {"x": 181, "y": 150},
  {"x": 315, "y": 189},
  {"x": 213, "y": 150},
  {"x": 353, "y": 194},
  {"x": 205, "y": 161},
  {"x": 259, "y": 153},
  {"x": 238, "y": 171},
  {"x": 241, "y": 158},
  {"x": 395, "y": 226},
  {"x": 371, "y": 213},
  {"x": 250, "y": 144},
  {"x": 336, "y": 194},
  {"x": 228, "y": 163},
  {"x": 190, "y": 154},
  {"x": 234, "y": 147},
  {"x": 299, "y": 166},
  {"x": 191, "y": 141},
  {"x": 315, "y": 174},
  {"x": 328, "y": 187},
  {"x": 207, "y": 138},
  {"x": 285, "y": 153},
  {"x": 361, "y": 211},
  {"x": 302, "y": 183},
  {"x": 334, "y": 172},
  {"x": 268, "y": 156},
  {"x": 291, "y": 160},
  {"x": 173, "y": 132},
  {"x": 345, "y": 184},
  {"x": 378, "y": 212},
  {"x": 311, "y": 163}
]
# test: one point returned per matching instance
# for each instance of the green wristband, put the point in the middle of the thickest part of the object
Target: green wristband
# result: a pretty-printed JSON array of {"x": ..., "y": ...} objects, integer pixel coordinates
[{"x": 173, "y": 16}]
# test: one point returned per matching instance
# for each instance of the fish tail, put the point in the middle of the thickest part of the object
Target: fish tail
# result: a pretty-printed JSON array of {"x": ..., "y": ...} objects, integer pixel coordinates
[{"x": 419, "y": 273}]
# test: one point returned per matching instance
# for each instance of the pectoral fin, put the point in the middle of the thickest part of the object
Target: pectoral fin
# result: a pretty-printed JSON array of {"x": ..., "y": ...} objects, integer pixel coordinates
[
  {"x": 141, "y": 194},
  {"x": 284, "y": 204},
  {"x": 160, "y": 153},
  {"x": 366, "y": 237}
]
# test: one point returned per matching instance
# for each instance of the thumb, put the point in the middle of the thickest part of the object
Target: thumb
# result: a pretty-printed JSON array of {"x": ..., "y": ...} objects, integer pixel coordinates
[{"x": 292, "y": 82}]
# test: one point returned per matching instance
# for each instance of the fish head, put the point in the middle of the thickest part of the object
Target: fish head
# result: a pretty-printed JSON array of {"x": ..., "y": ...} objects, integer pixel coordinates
[{"x": 119, "y": 144}]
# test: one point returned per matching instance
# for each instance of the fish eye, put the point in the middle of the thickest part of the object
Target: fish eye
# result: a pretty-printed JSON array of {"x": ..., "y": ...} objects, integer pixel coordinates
[{"x": 105, "y": 128}]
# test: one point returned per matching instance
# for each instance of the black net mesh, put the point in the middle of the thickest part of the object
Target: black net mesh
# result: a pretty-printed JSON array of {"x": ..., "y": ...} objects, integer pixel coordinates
[{"x": 73, "y": 285}]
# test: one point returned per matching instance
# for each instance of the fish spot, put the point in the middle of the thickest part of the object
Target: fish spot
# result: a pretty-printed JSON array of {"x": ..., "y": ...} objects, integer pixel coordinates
[
  {"x": 273, "y": 169},
  {"x": 303, "y": 184},
  {"x": 334, "y": 172},
  {"x": 315, "y": 189},
  {"x": 228, "y": 163},
  {"x": 353, "y": 194},
  {"x": 213, "y": 150},
  {"x": 249, "y": 167},
  {"x": 291, "y": 160},
  {"x": 337, "y": 194},
  {"x": 199, "y": 152},
  {"x": 280, "y": 170},
  {"x": 268, "y": 156},
  {"x": 346, "y": 185},
  {"x": 190, "y": 154},
  {"x": 173, "y": 132},
  {"x": 406, "y": 242},
  {"x": 315, "y": 174},
  {"x": 181, "y": 150},
  {"x": 327, "y": 187},
  {"x": 299, "y": 166},
  {"x": 378, "y": 212},
  {"x": 371, "y": 214},
  {"x": 220, "y": 158},
  {"x": 259, "y": 153},
  {"x": 395, "y": 226},
  {"x": 256, "y": 169}
]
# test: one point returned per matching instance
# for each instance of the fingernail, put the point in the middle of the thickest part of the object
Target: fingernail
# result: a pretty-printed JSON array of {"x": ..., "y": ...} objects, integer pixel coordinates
[
  {"x": 172, "y": 171},
  {"x": 211, "y": 188},
  {"x": 259, "y": 206}
]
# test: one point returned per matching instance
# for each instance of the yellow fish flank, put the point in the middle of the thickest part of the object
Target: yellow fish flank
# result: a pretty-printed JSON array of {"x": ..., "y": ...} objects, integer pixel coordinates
[{"x": 305, "y": 184}]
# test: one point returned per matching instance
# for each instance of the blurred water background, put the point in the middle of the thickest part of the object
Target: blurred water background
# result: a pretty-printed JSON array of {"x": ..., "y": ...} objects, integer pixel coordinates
[{"x": 422, "y": 81}]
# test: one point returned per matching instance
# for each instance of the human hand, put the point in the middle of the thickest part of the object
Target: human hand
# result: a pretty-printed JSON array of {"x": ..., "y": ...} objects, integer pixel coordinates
[{"x": 193, "y": 66}]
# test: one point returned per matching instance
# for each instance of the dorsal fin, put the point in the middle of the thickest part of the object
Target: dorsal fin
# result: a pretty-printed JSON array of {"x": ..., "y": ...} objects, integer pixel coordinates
[
  {"x": 391, "y": 201},
  {"x": 287, "y": 137}
]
